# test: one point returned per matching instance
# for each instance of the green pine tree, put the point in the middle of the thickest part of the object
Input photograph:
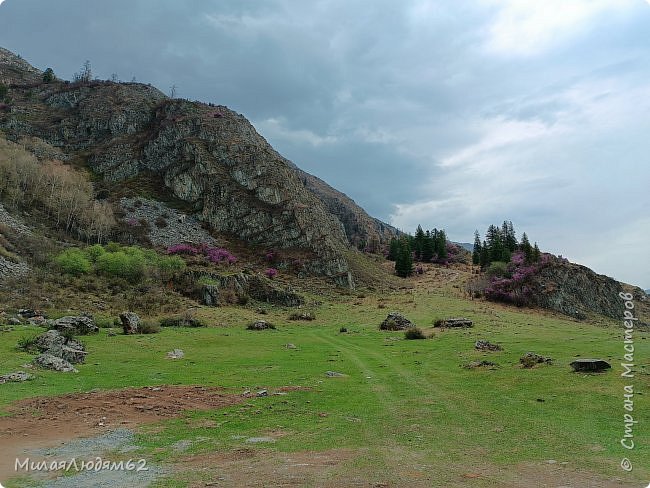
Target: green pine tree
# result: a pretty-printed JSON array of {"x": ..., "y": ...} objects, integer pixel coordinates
[
  {"x": 476, "y": 253},
  {"x": 404, "y": 262},
  {"x": 536, "y": 253},
  {"x": 526, "y": 248}
]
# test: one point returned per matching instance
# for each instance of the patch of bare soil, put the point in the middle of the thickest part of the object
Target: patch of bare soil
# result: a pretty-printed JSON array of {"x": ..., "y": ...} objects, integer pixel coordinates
[
  {"x": 264, "y": 468},
  {"x": 48, "y": 421}
]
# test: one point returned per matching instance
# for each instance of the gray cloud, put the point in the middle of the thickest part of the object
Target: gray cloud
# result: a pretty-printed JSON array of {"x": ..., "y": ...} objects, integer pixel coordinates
[{"x": 450, "y": 114}]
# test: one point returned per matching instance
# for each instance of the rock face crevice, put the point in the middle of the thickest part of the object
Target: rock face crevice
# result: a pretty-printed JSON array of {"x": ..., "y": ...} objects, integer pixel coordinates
[{"x": 208, "y": 156}]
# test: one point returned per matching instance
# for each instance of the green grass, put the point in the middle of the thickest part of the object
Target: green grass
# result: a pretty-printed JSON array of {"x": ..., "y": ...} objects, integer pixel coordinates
[{"x": 398, "y": 396}]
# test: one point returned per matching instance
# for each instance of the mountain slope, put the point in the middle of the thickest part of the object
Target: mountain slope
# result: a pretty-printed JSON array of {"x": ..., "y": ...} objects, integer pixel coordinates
[{"x": 208, "y": 156}]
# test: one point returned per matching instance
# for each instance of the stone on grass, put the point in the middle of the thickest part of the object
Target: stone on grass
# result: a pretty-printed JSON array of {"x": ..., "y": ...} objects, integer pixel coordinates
[
  {"x": 130, "y": 322},
  {"x": 260, "y": 325},
  {"x": 333, "y": 374},
  {"x": 16, "y": 376},
  {"x": 396, "y": 321},
  {"x": 47, "y": 361},
  {"x": 530, "y": 359},
  {"x": 54, "y": 343},
  {"x": 176, "y": 354},
  {"x": 487, "y": 346},
  {"x": 453, "y": 323},
  {"x": 590, "y": 365},
  {"x": 80, "y": 324},
  {"x": 481, "y": 364}
]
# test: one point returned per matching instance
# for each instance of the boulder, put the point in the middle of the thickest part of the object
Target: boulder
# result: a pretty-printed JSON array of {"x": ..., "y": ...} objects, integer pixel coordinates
[
  {"x": 260, "y": 325},
  {"x": 17, "y": 376},
  {"x": 453, "y": 323},
  {"x": 590, "y": 365},
  {"x": 487, "y": 346},
  {"x": 80, "y": 324},
  {"x": 176, "y": 354},
  {"x": 48, "y": 361},
  {"x": 530, "y": 359},
  {"x": 481, "y": 364},
  {"x": 54, "y": 343},
  {"x": 130, "y": 322},
  {"x": 396, "y": 321}
]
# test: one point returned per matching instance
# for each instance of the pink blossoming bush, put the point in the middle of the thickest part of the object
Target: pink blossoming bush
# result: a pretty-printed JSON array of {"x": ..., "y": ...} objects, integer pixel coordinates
[
  {"x": 516, "y": 289},
  {"x": 216, "y": 255},
  {"x": 271, "y": 273}
]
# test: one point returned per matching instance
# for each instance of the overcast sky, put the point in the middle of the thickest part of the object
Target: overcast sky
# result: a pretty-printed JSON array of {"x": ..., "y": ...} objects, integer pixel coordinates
[{"x": 452, "y": 114}]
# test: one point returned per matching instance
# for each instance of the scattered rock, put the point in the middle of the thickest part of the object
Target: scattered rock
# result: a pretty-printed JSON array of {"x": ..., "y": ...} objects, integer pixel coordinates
[
  {"x": 38, "y": 320},
  {"x": 176, "y": 354},
  {"x": 290, "y": 346},
  {"x": 481, "y": 364},
  {"x": 487, "y": 346},
  {"x": 530, "y": 359},
  {"x": 260, "y": 325},
  {"x": 14, "y": 321},
  {"x": 17, "y": 376},
  {"x": 255, "y": 440},
  {"x": 111, "y": 333},
  {"x": 262, "y": 393},
  {"x": 396, "y": 321},
  {"x": 302, "y": 316},
  {"x": 453, "y": 323},
  {"x": 47, "y": 361},
  {"x": 333, "y": 374},
  {"x": 130, "y": 322},
  {"x": 54, "y": 343},
  {"x": 343, "y": 330},
  {"x": 81, "y": 324},
  {"x": 590, "y": 365}
]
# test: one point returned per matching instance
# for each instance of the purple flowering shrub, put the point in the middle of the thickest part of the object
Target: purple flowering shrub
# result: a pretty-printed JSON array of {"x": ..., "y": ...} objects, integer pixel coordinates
[
  {"x": 271, "y": 273},
  {"x": 516, "y": 289},
  {"x": 216, "y": 255}
]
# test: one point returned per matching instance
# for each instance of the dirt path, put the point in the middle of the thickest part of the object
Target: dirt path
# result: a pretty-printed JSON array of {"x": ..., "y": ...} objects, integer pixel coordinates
[{"x": 42, "y": 422}]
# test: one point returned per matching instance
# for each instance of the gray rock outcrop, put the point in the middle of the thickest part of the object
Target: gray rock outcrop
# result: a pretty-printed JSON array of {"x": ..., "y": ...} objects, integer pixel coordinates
[
  {"x": 130, "y": 322},
  {"x": 396, "y": 321},
  {"x": 77, "y": 324},
  {"x": 48, "y": 361}
]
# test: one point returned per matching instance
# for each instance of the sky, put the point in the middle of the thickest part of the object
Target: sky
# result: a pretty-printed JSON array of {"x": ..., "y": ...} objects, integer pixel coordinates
[{"x": 449, "y": 114}]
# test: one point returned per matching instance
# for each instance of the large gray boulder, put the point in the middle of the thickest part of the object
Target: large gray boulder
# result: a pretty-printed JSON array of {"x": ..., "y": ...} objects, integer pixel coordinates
[
  {"x": 396, "y": 321},
  {"x": 130, "y": 322},
  {"x": 78, "y": 325},
  {"x": 48, "y": 361},
  {"x": 54, "y": 343}
]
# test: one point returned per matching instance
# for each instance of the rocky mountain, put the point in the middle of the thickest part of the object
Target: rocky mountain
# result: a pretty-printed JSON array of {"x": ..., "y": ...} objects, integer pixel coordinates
[
  {"x": 207, "y": 156},
  {"x": 575, "y": 290}
]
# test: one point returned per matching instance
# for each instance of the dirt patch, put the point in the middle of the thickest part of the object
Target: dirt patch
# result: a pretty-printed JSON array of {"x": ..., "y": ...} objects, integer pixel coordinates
[
  {"x": 264, "y": 468},
  {"x": 48, "y": 421}
]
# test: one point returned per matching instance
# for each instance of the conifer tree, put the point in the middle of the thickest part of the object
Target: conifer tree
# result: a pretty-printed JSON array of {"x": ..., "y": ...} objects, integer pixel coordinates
[
  {"x": 536, "y": 253},
  {"x": 485, "y": 255},
  {"x": 428, "y": 248},
  {"x": 526, "y": 248},
  {"x": 404, "y": 261},
  {"x": 418, "y": 243},
  {"x": 476, "y": 253},
  {"x": 393, "y": 249}
]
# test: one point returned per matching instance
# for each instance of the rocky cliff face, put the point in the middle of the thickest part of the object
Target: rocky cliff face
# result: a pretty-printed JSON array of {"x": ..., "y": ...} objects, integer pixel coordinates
[
  {"x": 361, "y": 229},
  {"x": 573, "y": 289},
  {"x": 208, "y": 156}
]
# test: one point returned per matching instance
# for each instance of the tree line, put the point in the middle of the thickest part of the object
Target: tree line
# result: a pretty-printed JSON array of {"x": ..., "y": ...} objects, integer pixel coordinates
[
  {"x": 425, "y": 246},
  {"x": 500, "y": 243}
]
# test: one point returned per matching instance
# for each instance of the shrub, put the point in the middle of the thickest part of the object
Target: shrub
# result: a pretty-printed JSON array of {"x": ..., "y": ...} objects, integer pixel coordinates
[
  {"x": 48, "y": 75},
  {"x": 438, "y": 322},
  {"x": 120, "y": 264},
  {"x": 302, "y": 316},
  {"x": 414, "y": 333},
  {"x": 149, "y": 327},
  {"x": 160, "y": 222},
  {"x": 27, "y": 344},
  {"x": 93, "y": 252},
  {"x": 271, "y": 273},
  {"x": 343, "y": 330},
  {"x": 497, "y": 269},
  {"x": 182, "y": 321},
  {"x": 73, "y": 261}
]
